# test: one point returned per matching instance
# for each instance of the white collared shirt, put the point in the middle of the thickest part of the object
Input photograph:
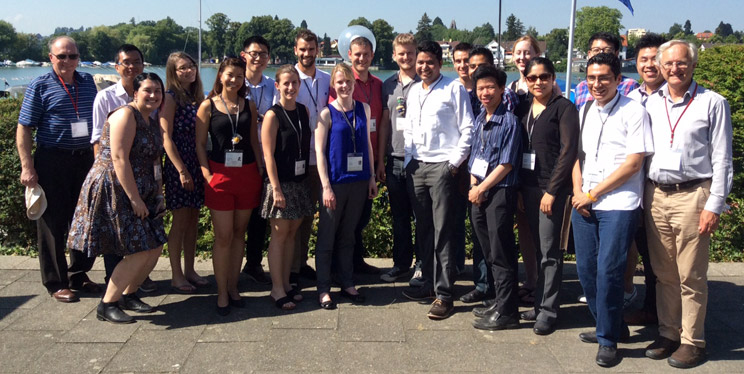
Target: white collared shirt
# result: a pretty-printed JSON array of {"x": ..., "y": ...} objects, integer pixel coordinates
[
  {"x": 640, "y": 95},
  {"x": 264, "y": 94},
  {"x": 626, "y": 131},
  {"x": 106, "y": 101},
  {"x": 703, "y": 138},
  {"x": 313, "y": 93},
  {"x": 441, "y": 122}
]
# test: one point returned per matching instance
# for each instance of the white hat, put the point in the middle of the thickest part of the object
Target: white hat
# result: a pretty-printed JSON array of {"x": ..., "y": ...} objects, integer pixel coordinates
[{"x": 36, "y": 202}]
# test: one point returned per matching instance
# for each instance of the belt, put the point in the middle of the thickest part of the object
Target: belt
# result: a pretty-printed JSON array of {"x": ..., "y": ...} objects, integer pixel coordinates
[{"x": 673, "y": 187}]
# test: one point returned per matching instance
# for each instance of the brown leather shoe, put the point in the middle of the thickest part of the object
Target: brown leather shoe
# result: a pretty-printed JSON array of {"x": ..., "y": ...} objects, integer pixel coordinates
[
  {"x": 661, "y": 348},
  {"x": 65, "y": 296},
  {"x": 640, "y": 317},
  {"x": 687, "y": 356}
]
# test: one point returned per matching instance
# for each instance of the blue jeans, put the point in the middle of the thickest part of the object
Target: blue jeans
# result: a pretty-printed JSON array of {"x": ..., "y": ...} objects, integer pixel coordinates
[{"x": 602, "y": 241}]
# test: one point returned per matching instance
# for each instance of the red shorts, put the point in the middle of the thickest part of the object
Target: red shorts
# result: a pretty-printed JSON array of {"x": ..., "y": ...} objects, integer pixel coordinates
[{"x": 233, "y": 188}]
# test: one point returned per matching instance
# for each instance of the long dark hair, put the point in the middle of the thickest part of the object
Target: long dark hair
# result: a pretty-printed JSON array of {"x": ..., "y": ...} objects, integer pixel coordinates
[
  {"x": 228, "y": 62},
  {"x": 545, "y": 62},
  {"x": 151, "y": 76}
]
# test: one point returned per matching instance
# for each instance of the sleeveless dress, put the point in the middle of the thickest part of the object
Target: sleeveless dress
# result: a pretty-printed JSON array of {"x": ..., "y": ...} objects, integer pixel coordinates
[
  {"x": 184, "y": 138},
  {"x": 104, "y": 222}
]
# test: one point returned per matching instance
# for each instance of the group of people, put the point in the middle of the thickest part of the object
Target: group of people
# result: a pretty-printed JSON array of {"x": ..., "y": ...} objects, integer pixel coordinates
[{"x": 605, "y": 173}]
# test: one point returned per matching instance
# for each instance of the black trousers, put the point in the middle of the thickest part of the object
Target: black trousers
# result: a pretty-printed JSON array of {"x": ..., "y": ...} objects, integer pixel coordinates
[
  {"x": 493, "y": 223},
  {"x": 255, "y": 243},
  {"x": 649, "y": 303},
  {"x": 61, "y": 175}
]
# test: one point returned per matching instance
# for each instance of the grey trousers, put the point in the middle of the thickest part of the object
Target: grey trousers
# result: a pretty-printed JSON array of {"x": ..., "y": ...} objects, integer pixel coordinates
[
  {"x": 546, "y": 232},
  {"x": 434, "y": 192},
  {"x": 336, "y": 229}
]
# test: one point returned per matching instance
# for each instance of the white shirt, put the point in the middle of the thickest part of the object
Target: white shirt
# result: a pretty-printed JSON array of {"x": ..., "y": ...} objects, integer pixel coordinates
[
  {"x": 264, "y": 95},
  {"x": 702, "y": 141},
  {"x": 106, "y": 101},
  {"x": 313, "y": 93},
  {"x": 627, "y": 131},
  {"x": 441, "y": 122},
  {"x": 640, "y": 95}
]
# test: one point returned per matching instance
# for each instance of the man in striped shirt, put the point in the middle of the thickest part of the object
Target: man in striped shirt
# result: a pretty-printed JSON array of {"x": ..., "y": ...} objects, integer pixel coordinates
[{"x": 59, "y": 105}]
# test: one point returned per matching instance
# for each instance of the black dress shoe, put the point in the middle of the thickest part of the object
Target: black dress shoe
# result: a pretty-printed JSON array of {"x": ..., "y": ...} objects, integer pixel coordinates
[
  {"x": 473, "y": 296},
  {"x": 530, "y": 315},
  {"x": 485, "y": 311},
  {"x": 543, "y": 328},
  {"x": 112, "y": 313},
  {"x": 222, "y": 311},
  {"x": 328, "y": 305},
  {"x": 496, "y": 321},
  {"x": 239, "y": 303},
  {"x": 489, "y": 302},
  {"x": 358, "y": 298},
  {"x": 607, "y": 356},
  {"x": 132, "y": 302}
]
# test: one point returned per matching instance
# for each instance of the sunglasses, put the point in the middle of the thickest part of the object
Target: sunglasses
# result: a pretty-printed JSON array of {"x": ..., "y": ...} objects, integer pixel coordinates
[
  {"x": 63, "y": 57},
  {"x": 543, "y": 77}
]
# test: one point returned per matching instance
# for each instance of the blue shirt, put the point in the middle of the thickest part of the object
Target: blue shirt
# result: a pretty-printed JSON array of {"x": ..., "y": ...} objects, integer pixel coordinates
[
  {"x": 509, "y": 98},
  {"x": 340, "y": 145},
  {"x": 498, "y": 141},
  {"x": 583, "y": 95},
  {"x": 49, "y": 108}
]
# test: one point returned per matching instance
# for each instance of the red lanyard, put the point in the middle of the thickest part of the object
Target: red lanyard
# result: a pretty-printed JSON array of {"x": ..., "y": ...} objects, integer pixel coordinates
[
  {"x": 671, "y": 141},
  {"x": 74, "y": 102}
]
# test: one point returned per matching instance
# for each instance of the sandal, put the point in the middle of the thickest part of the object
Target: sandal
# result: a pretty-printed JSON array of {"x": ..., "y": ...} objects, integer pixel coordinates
[
  {"x": 284, "y": 303},
  {"x": 199, "y": 282},
  {"x": 294, "y": 294},
  {"x": 184, "y": 289},
  {"x": 526, "y": 295},
  {"x": 327, "y": 305}
]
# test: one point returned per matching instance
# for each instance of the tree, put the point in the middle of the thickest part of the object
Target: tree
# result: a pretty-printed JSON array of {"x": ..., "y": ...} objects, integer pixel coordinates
[
  {"x": 688, "y": 28},
  {"x": 7, "y": 38},
  {"x": 724, "y": 29},
  {"x": 303, "y": 24},
  {"x": 484, "y": 33},
  {"x": 281, "y": 38},
  {"x": 217, "y": 24},
  {"x": 361, "y": 21},
  {"x": 591, "y": 20},
  {"x": 439, "y": 32},
  {"x": 437, "y": 21},
  {"x": 532, "y": 31},
  {"x": 674, "y": 30},
  {"x": 731, "y": 39},
  {"x": 514, "y": 28},
  {"x": 384, "y": 34},
  {"x": 327, "y": 45},
  {"x": 556, "y": 45},
  {"x": 103, "y": 47},
  {"x": 423, "y": 30}
]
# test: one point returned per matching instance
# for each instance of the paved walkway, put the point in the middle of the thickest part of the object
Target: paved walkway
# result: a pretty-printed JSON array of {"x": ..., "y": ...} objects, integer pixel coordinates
[{"x": 389, "y": 335}]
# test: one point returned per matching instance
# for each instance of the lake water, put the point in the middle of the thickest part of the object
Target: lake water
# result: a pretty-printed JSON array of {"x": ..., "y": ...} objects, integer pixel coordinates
[{"x": 21, "y": 76}]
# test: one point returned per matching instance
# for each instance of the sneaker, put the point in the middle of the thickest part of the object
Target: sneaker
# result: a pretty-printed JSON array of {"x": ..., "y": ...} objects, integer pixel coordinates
[
  {"x": 628, "y": 298},
  {"x": 417, "y": 280},
  {"x": 394, "y": 274},
  {"x": 419, "y": 294},
  {"x": 582, "y": 299},
  {"x": 148, "y": 286},
  {"x": 256, "y": 274},
  {"x": 440, "y": 309}
]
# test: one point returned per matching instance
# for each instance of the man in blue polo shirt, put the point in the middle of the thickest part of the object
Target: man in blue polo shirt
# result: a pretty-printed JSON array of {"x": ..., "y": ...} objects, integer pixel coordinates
[{"x": 59, "y": 105}]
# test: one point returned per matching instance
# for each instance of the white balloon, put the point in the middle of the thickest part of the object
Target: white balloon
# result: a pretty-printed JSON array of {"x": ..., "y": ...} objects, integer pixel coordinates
[{"x": 349, "y": 34}]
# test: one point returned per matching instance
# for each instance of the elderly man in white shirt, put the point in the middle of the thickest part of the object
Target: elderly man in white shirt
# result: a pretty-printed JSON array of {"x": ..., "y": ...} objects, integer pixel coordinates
[
  {"x": 608, "y": 188},
  {"x": 690, "y": 177},
  {"x": 438, "y": 130}
]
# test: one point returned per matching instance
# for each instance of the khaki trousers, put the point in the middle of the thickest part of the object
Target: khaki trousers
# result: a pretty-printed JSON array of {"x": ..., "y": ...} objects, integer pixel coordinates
[{"x": 679, "y": 257}]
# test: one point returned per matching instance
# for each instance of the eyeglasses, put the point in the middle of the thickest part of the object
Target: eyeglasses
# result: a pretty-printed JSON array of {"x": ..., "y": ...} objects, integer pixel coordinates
[
  {"x": 602, "y": 50},
  {"x": 680, "y": 65},
  {"x": 186, "y": 68},
  {"x": 62, "y": 57},
  {"x": 258, "y": 55},
  {"x": 543, "y": 77}
]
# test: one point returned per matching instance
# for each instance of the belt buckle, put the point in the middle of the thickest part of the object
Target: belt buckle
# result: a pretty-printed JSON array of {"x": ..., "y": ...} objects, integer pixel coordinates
[{"x": 676, "y": 185}]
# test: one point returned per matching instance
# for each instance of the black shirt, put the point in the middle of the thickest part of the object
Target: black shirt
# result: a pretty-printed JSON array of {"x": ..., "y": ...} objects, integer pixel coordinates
[
  {"x": 292, "y": 141},
  {"x": 221, "y": 132}
]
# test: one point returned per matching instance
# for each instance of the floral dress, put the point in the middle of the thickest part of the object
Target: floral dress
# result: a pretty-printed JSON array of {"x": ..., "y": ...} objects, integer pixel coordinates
[
  {"x": 104, "y": 221},
  {"x": 184, "y": 138}
]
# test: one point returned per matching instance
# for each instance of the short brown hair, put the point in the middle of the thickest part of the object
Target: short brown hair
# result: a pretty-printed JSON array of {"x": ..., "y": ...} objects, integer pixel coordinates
[
  {"x": 362, "y": 41},
  {"x": 307, "y": 36},
  {"x": 284, "y": 69},
  {"x": 404, "y": 39}
]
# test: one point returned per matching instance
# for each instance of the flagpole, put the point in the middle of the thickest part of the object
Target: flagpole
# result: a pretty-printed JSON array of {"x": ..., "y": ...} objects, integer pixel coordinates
[
  {"x": 567, "y": 92},
  {"x": 198, "y": 58}
]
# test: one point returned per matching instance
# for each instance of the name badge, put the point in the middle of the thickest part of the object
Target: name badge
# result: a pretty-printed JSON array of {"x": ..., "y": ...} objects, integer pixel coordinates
[
  {"x": 528, "y": 160},
  {"x": 479, "y": 168},
  {"x": 398, "y": 170},
  {"x": 668, "y": 159},
  {"x": 354, "y": 162},
  {"x": 79, "y": 128},
  {"x": 419, "y": 137},
  {"x": 157, "y": 170},
  {"x": 372, "y": 125},
  {"x": 233, "y": 158},
  {"x": 300, "y": 167},
  {"x": 402, "y": 124}
]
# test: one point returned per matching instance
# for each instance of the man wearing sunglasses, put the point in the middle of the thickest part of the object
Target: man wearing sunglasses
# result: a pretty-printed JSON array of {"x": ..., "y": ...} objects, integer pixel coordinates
[
  {"x": 603, "y": 42},
  {"x": 59, "y": 106}
]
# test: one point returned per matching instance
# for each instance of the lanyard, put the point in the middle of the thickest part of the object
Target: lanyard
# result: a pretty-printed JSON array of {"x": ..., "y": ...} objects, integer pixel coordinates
[
  {"x": 405, "y": 87},
  {"x": 483, "y": 130},
  {"x": 531, "y": 129},
  {"x": 671, "y": 141},
  {"x": 351, "y": 126},
  {"x": 233, "y": 125},
  {"x": 74, "y": 102},
  {"x": 601, "y": 130},
  {"x": 260, "y": 100},
  {"x": 298, "y": 130},
  {"x": 314, "y": 99},
  {"x": 421, "y": 103}
]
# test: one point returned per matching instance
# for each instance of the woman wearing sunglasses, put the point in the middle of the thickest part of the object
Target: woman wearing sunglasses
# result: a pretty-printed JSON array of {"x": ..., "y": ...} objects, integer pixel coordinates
[{"x": 551, "y": 124}]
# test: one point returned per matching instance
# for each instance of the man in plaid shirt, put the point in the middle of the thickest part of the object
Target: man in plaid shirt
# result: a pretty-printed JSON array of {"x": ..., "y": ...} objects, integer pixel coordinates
[{"x": 603, "y": 42}]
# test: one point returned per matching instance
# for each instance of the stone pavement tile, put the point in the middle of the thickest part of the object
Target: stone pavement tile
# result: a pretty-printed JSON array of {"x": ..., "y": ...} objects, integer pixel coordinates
[
  {"x": 18, "y": 349},
  {"x": 52, "y": 315},
  {"x": 729, "y": 269},
  {"x": 10, "y": 315},
  {"x": 575, "y": 356},
  {"x": 25, "y": 295},
  {"x": 178, "y": 311},
  {"x": 446, "y": 351},
  {"x": 377, "y": 295},
  {"x": 724, "y": 321},
  {"x": 371, "y": 324},
  {"x": 8, "y": 276},
  {"x": 377, "y": 357},
  {"x": 29, "y": 263},
  {"x": 154, "y": 351},
  {"x": 11, "y": 262},
  {"x": 725, "y": 294},
  {"x": 298, "y": 350},
  {"x": 78, "y": 358},
  {"x": 414, "y": 317},
  {"x": 307, "y": 315},
  {"x": 91, "y": 330},
  {"x": 226, "y": 357},
  {"x": 236, "y": 327}
]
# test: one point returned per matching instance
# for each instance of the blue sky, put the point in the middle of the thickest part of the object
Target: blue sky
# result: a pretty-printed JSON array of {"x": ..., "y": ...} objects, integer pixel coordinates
[{"x": 331, "y": 16}]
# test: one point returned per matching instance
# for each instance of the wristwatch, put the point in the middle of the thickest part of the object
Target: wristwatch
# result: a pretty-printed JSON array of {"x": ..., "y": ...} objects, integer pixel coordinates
[{"x": 452, "y": 169}]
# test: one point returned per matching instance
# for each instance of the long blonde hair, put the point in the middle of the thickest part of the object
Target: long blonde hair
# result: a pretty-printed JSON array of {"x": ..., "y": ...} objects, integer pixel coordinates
[{"x": 184, "y": 95}]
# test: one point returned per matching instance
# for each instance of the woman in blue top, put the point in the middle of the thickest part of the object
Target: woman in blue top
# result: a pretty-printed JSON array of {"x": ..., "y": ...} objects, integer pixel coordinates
[{"x": 343, "y": 149}]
